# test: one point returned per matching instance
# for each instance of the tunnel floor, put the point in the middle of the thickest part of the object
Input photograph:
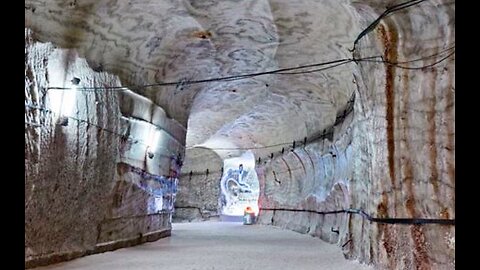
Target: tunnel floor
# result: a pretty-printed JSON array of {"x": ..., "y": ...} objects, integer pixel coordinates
[{"x": 221, "y": 245}]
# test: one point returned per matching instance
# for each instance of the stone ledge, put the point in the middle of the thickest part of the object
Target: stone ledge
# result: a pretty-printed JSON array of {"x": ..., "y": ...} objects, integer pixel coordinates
[{"x": 99, "y": 248}]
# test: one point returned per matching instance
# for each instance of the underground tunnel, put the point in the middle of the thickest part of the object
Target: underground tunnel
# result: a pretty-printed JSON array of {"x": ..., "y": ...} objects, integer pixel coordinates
[{"x": 139, "y": 113}]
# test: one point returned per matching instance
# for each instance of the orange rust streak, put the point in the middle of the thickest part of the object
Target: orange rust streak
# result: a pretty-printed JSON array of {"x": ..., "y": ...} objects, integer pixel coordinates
[
  {"x": 202, "y": 34},
  {"x": 389, "y": 38},
  {"x": 420, "y": 254}
]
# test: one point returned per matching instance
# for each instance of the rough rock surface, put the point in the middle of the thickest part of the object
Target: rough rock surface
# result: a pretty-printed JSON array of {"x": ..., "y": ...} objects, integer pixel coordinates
[
  {"x": 146, "y": 41},
  {"x": 82, "y": 190},
  {"x": 394, "y": 156},
  {"x": 198, "y": 191}
]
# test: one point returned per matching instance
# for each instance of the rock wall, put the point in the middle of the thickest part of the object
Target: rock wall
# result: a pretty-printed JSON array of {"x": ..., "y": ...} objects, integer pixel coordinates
[
  {"x": 394, "y": 159},
  {"x": 314, "y": 177},
  {"x": 90, "y": 184},
  {"x": 199, "y": 192}
]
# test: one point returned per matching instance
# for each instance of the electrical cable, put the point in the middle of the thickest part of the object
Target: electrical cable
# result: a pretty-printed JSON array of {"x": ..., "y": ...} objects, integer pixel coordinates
[
  {"x": 227, "y": 78},
  {"x": 389, "y": 10},
  {"x": 396, "y": 64},
  {"x": 406, "y": 221},
  {"x": 282, "y": 71},
  {"x": 123, "y": 136},
  {"x": 413, "y": 68},
  {"x": 333, "y": 63}
]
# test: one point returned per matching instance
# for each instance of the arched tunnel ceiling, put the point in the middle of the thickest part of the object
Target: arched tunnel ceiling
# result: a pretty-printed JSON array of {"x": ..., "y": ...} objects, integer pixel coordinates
[{"x": 146, "y": 41}]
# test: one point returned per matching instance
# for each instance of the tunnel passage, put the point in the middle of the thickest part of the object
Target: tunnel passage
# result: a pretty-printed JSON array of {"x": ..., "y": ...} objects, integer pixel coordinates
[{"x": 374, "y": 133}]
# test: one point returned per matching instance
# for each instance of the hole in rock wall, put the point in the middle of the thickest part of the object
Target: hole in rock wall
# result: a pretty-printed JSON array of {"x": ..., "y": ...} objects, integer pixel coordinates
[{"x": 239, "y": 185}]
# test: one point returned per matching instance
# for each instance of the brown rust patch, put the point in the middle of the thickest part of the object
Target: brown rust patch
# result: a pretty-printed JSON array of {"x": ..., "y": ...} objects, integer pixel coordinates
[
  {"x": 389, "y": 242},
  {"x": 444, "y": 213},
  {"x": 122, "y": 168},
  {"x": 387, "y": 236},
  {"x": 389, "y": 37},
  {"x": 202, "y": 34},
  {"x": 382, "y": 210},
  {"x": 410, "y": 205},
  {"x": 432, "y": 133},
  {"x": 420, "y": 253}
]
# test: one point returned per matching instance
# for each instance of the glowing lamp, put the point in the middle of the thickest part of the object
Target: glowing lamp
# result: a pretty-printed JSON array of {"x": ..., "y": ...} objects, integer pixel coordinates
[{"x": 249, "y": 210}]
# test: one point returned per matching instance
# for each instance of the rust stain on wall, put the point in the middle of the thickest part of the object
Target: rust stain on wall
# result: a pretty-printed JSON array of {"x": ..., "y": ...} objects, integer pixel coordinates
[
  {"x": 382, "y": 207},
  {"x": 389, "y": 38},
  {"x": 420, "y": 254},
  {"x": 202, "y": 34},
  {"x": 410, "y": 205},
  {"x": 385, "y": 236},
  {"x": 444, "y": 213},
  {"x": 431, "y": 134}
]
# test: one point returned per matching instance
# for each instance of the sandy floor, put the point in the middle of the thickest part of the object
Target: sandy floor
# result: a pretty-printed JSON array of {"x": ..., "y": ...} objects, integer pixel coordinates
[{"x": 221, "y": 246}]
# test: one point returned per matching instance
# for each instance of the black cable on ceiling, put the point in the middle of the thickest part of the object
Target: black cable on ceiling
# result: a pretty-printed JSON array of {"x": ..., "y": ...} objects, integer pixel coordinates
[
  {"x": 227, "y": 78},
  {"x": 283, "y": 71},
  {"x": 335, "y": 63},
  {"x": 329, "y": 64},
  {"x": 389, "y": 10},
  {"x": 324, "y": 134},
  {"x": 338, "y": 62}
]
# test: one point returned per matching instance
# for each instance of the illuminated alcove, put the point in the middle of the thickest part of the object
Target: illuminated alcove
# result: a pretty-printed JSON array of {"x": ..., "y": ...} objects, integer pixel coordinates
[{"x": 239, "y": 185}]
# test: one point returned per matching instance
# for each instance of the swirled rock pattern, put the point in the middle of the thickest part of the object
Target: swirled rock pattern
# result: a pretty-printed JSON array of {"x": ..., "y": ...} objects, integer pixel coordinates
[{"x": 394, "y": 155}]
